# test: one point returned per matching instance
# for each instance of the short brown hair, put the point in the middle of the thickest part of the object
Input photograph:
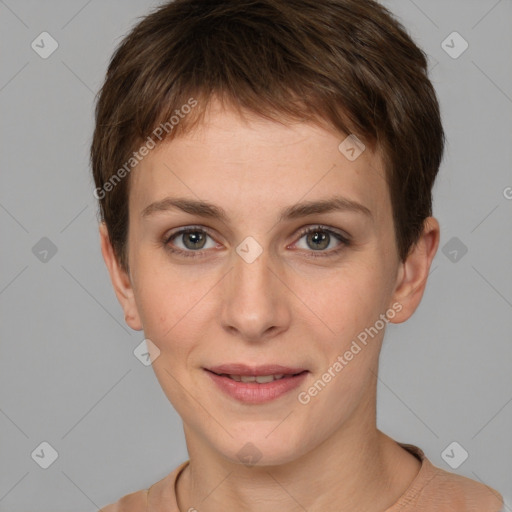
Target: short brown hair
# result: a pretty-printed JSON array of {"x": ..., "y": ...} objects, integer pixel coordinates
[{"x": 347, "y": 63}]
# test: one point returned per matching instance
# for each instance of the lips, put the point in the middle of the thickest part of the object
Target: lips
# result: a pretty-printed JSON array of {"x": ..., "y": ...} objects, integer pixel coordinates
[{"x": 256, "y": 384}]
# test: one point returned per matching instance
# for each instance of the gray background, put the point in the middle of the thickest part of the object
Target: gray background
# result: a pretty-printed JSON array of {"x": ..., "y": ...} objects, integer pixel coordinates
[{"x": 68, "y": 375}]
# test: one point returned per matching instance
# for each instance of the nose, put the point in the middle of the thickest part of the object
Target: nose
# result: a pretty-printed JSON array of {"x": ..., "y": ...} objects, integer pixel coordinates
[{"x": 255, "y": 300}]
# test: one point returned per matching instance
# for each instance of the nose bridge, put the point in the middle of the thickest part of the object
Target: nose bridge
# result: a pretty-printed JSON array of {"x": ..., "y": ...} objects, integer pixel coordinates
[{"x": 253, "y": 303}]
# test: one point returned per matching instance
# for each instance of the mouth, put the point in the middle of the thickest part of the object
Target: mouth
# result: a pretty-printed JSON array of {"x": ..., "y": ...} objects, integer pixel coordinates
[
  {"x": 260, "y": 379},
  {"x": 256, "y": 385},
  {"x": 255, "y": 371}
]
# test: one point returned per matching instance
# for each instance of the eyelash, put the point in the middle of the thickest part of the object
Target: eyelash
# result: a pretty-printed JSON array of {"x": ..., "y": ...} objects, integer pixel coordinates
[{"x": 345, "y": 242}]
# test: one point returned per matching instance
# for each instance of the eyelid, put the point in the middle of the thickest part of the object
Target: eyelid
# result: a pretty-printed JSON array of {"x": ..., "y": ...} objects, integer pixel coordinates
[
  {"x": 341, "y": 235},
  {"x": 185, "y": 229}
]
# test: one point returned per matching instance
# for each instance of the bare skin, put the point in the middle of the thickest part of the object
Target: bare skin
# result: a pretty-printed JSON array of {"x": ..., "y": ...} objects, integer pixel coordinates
[{"x": 285, "y": 307}]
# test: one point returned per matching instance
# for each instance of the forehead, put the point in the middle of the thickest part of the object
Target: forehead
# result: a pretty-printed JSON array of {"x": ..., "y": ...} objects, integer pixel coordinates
[{"x": 258, "y": 164}]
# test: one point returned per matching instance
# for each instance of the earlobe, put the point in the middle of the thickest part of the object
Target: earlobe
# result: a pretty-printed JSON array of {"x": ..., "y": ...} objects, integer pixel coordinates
[
  {"x": 120, "y": 281},
  {"x": 414, "y": 271}
]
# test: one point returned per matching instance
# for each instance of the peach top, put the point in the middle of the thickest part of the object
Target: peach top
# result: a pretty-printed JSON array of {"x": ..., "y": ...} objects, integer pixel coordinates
[{"x": 432, "y": 490}]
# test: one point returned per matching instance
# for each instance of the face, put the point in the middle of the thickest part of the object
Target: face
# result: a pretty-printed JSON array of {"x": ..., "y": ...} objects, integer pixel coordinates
[{"x": 274, "y": 280}]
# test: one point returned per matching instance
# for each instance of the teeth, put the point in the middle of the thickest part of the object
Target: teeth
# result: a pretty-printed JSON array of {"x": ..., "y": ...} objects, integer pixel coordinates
[
  {"x": 260, "y": 379},
  {"x": 264, "y": 378}
]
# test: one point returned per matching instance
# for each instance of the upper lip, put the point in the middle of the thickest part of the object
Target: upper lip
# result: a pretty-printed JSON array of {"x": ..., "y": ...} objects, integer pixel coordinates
[{"x": 243, "y": 369}]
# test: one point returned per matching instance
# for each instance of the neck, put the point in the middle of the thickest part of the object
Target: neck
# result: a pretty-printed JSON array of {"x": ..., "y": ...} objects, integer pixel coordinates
[{"x": 357, "y": 467}]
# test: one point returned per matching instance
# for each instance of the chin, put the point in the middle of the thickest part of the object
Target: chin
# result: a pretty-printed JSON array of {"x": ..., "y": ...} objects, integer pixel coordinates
[{"x": 258, "y": 448}]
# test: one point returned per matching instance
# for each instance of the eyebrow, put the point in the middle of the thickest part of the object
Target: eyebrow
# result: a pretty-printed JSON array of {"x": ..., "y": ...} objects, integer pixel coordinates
[{"x": 209, "y": 210}]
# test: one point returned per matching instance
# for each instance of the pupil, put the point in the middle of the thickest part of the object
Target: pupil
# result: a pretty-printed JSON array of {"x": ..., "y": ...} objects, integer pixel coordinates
[
  {"x": 319, "y": 239},
  {"x": 193, "y": 240}
]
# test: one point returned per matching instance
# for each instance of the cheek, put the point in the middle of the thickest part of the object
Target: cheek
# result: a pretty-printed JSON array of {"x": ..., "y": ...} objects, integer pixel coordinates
[
  {"x": 345, "y": 301},
  {"x": 172, "y": 306}
]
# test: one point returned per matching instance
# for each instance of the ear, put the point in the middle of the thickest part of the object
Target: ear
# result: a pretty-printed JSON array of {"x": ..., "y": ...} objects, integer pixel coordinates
[
  {"x": 413, "y": 272},
  {"x": 120, "y": 281}
]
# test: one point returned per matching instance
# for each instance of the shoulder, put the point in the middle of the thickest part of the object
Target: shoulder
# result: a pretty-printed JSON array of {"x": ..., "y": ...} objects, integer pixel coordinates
[
  {"x": 464, "y": 492},
  {"x": 435, "y": 489},
  {"x": 133, "y": 502}
]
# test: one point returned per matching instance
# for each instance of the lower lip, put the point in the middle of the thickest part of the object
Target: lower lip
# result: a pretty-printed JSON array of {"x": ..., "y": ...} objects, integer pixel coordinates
[{"x": 255, "y": 393}]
